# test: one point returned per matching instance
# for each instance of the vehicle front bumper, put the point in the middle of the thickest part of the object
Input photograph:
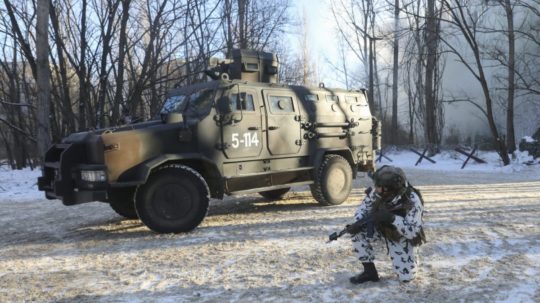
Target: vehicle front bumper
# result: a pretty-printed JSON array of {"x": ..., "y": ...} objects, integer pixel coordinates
[{"x": 61, "y": 176}]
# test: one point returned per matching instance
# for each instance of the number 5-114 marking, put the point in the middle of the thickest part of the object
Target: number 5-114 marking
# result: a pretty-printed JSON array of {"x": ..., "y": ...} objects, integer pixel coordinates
[{"x": 247, "y": 140}]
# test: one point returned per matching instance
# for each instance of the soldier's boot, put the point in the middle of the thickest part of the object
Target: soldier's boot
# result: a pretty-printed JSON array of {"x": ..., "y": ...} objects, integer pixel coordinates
[{"x": 369, "y": 275}]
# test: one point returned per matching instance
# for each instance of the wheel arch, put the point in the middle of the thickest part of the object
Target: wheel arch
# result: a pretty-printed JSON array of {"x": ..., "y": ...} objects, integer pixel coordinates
[
  {"x": 344, "y": 152},
  {"x": 209, "y": 171}
]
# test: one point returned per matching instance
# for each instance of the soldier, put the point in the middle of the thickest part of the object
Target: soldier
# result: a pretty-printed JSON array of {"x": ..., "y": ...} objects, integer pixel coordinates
[{"x": 396, "y": 211}]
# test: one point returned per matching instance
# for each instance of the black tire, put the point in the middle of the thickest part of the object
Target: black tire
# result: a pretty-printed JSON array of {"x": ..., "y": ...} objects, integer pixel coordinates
[
  {"x": 122, "y": 201},
  {"x": 175, "y": 199},
  {"x": 276, "y": 194},
  {"x": 333, "y": 181}
]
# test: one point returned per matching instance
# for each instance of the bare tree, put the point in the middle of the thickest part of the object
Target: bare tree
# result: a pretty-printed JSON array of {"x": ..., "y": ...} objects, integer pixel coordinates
[
  {"x": 520, "y": 64},
  {"x": 424, "y": 114},
  {"x": 395, "y": 75},
  {"x": 297, "y": 68},
  {"x": 527, "y": 81},
  {"x": 510, "y": 132},
  {"x": 356, "y": 23},
  {"x": 242, "y": 23},
  {"x": 414, "y": 61},
  {"x": 254, "y": 24},
  {"x": 228, "y": 30},
  {"x": 431, "y": 33},
  {"x": 73, "y": 43},
  {"x": 120, "y": 66},
  {"x": 43, "y": 76},
  {"x": 64, "y": 121},
  {"x": 111, "y": 59},
  {"x": 290, "y": 66},
  {"x": 308, "y": 69},
  {"x": 466, "y": 21},
  {"x": 107, "y": 21},
  {"x": 38, "y": 63},
  {"x": 15, "y": 130}
]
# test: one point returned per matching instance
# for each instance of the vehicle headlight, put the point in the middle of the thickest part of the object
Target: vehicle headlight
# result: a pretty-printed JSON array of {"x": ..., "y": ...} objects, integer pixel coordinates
[{"x": 93, "y": 175}]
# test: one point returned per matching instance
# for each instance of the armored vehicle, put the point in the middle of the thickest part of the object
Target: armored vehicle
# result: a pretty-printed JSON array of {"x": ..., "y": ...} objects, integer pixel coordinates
[{"x": 240, "y": 132}]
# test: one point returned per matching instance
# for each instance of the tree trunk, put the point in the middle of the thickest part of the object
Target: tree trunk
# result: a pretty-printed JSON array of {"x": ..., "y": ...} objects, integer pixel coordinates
[
  {"x": 7, "y": 149},
  {"x": 499, "y": 142},
  {"x": 118, "y": 97},
  {"x": 461, "y": 14},
  {"x": 106, "y": 48},
  {"x": 242, "y": 23},
  {"x": 227, "y": 11},
  {"x": 84, "y": 97},
  {"x": 377, "y": 84},
  {"x": 430, "y": 126},
  {"x": 43, "y": 77},
  {"x": 68, "y": 118},
  {"x": 146, "y": 68},
  {"x": 394, "y": 132},
  {"x": 510, "y": 133},
  {"x": 371, "y": 95}
]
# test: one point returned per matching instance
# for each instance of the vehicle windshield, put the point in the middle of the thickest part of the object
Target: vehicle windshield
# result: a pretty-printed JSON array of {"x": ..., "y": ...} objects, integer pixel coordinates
[{"x": 195, "y": 104}]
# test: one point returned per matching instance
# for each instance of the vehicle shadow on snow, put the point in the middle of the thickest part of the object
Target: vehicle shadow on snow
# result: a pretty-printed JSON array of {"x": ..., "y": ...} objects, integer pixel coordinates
[
  {"x": 238, "y": 218},
  {"x": 253, "y": 204},
  {"x": 77, "y": 228},
  {"x": 223, "y": 227},
  {"x": 128, "y": 236}
]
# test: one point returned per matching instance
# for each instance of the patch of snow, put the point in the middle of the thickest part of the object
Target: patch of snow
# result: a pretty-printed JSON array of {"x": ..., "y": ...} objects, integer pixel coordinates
[
  {"x": 528, "y": 139},
  {"x": 19, "y": 185},
  {"x": 452, "y": 161},
  {"x": 481, "y": 225},
  {"x": 522, "y": 293}
]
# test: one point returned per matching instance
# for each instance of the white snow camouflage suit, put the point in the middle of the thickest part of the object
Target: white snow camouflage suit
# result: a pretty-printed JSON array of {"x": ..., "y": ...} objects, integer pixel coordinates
[{"x": 403, "y": 254}]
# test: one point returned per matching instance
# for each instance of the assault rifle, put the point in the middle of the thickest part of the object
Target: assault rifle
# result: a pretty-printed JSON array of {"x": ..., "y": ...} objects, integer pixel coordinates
[
  {"x": 356, "y": 226},
  {"x": 351, "y": 228}
]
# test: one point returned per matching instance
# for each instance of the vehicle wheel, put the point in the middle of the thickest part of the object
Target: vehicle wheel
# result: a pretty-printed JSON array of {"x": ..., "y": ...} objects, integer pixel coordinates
[
  {"x": 122, "y": 202},
  {"x": 276, "y": 194},
  {"x": 333, "y": 181},
  {"x": 175, "y": 199}
]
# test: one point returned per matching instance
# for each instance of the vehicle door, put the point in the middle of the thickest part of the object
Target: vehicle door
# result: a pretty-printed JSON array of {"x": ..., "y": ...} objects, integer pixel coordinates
[
  {"x": 283, "y": 122},
  {"x": 241, "y": 123}
]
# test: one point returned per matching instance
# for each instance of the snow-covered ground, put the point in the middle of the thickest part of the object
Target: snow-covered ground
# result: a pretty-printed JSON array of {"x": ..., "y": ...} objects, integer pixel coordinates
[{"x": 482, "y": 224}]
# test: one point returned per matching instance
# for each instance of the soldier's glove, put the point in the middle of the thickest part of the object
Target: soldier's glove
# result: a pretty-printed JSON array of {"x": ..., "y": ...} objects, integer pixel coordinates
[{"x": 383, "y": 216}]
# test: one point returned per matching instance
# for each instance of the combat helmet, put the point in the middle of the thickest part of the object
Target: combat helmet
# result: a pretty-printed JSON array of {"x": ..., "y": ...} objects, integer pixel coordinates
[{"x": 391, "y": 178}]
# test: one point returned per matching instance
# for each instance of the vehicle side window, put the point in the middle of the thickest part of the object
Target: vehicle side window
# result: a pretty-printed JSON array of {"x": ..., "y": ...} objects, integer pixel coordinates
[
  {"x": 332, "y": 98},
  {"x": 175, "y": 104},
  {"x": 201, "y": 101},
  {"x": 281, "y": 104},
  {"x": 245, "y": 102},
  {"x": 350, "y": 99},
  {"x": 311, "y": 98}
]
